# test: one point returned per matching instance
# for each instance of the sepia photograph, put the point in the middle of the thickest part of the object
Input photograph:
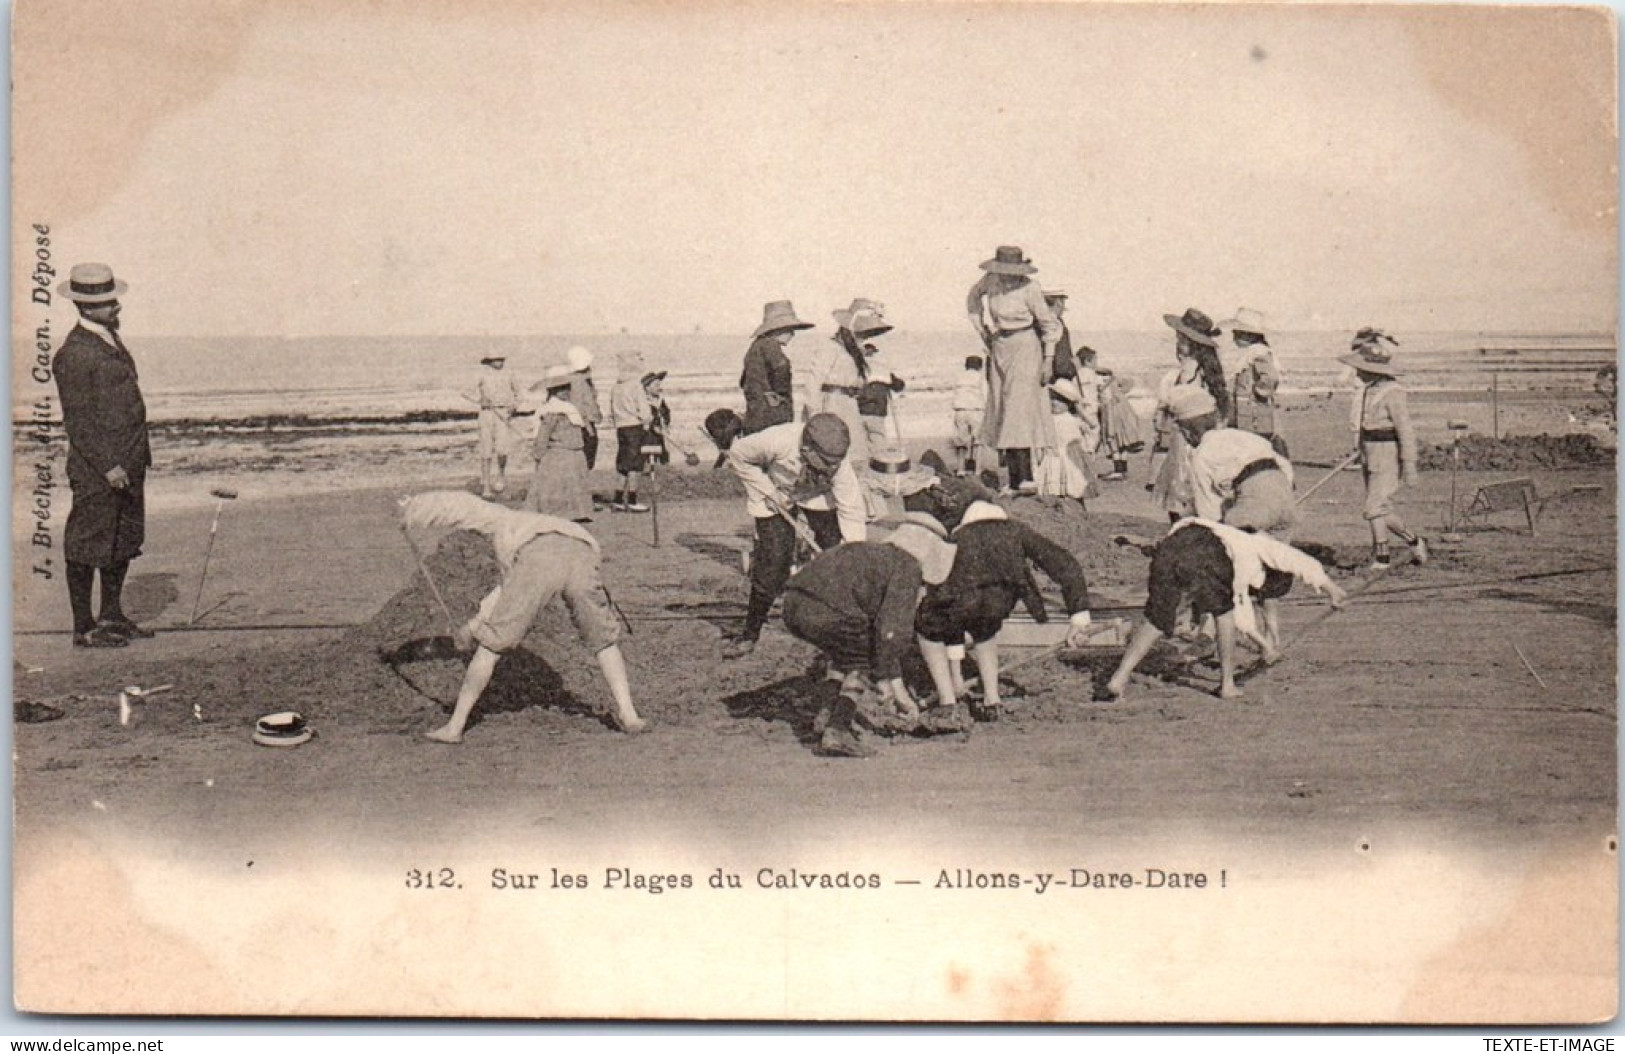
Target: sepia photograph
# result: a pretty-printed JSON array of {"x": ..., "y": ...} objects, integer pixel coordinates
[{"x": 812, "y": 511}]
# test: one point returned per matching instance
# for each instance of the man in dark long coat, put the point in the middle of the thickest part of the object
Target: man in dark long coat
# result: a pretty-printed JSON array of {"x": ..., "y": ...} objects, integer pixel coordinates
[{"x": 108, "y": 457}]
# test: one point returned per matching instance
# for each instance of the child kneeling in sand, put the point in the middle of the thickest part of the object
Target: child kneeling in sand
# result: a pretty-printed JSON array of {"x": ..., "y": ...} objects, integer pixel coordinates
[
  {"x": 1218, "y": 570},
  {"x": 856, "y": 604},
  {"x": 541, "y": 557}
]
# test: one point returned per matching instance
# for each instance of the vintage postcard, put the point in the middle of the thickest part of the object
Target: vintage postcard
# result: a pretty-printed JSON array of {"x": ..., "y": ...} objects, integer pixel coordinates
[{"x": 815, "y": 511}]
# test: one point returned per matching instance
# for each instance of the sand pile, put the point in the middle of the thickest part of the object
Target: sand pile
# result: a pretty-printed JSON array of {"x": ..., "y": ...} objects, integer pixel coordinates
[
  {"x": 1519, "y": 453},
  {"x": 397, "y": 675}
]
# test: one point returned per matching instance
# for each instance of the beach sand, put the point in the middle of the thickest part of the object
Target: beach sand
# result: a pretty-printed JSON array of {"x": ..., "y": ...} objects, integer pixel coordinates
[{"x": 1421, "y": 795}]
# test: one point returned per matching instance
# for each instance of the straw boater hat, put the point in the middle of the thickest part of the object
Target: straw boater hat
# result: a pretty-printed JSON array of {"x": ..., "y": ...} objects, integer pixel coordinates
[
  {"x": 778, "y": 316},
  {"x": 1195, "y": 325},
  {"x": 91, "y": 283},
  {"x": 1368, "y": 354},
  {"x": 1190, "y": 401},
  {"x": 1247, "y": 321},
  {"x": 285, "y": 729},
  {"x": 890, "y": 471},
  {"x": 579, "y": 359},
  {"x": 1055, "y": 294},
  {"x": 1009, "y": 259},
  {"x": 923, "y": 538},
  {"x": 629, "y": 361}
]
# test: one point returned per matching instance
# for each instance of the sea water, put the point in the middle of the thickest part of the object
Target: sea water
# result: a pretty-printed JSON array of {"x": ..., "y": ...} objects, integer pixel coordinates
[{"x": 385, "y": 379}]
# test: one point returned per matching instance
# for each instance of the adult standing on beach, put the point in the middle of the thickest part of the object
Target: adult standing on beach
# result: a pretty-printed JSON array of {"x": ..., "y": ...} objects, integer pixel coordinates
[
  {"x": 767, "y": 378},
  {"x": 497, "y": 395},
  {"x": 1387, "y": 442},
  {"x": 1019, "y": 331},
  {"x": 1197, "y": 352},
  {"x": 846, "y": 373},
  {"x": 108, "y": 456}
]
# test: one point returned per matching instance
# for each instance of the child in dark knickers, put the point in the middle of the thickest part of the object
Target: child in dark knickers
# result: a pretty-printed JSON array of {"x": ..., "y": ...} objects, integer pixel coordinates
[
  {"x": 990, "y": 575},
  {"x": 1218, "y": 570},
  {"x": 856, "y": 603}
]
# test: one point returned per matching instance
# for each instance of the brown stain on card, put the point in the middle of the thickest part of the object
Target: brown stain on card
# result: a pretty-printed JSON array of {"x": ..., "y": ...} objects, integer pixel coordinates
[
  {"x": 1544, "y": 79},
  {"x": 1037, "y": 993},
  {"x": 91, "y": 81},
  {"x": 1551, "y": 957}
]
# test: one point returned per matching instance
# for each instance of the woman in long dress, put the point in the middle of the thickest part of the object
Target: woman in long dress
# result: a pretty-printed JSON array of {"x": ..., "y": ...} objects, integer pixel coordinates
[
  {"x": 559, "y": 487},
  {"x": 1019, "y": 330}
]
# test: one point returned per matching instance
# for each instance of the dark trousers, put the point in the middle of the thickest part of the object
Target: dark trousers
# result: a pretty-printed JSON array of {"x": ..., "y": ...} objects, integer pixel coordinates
[
  {"x": 81, "y": 583},
  {"x": 1019, "y": 461},
  {"x": 770, "y": 560},
  {"x": 845, "y": 641}
]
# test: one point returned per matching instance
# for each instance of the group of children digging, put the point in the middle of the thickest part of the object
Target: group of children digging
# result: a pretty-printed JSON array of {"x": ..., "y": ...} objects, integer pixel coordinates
[{"x": 944, "y": 575}]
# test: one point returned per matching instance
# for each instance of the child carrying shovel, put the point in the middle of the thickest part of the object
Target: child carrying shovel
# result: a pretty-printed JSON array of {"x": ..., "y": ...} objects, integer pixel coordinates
[{"x": 541, "y": 557}]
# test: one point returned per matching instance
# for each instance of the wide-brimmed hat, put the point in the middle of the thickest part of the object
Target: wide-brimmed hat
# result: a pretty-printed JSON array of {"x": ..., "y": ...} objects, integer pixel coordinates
[
  {"x": 777, "y": 316},
  {"x": 827, "y": 436},
  {"x": 866, "y": 324},
  {"x": 489, "y": 359},
  {"x": 629, "y": 361},
  {"x": 1368, "y": 354},
  {"x": 1009, "y": 259},
  {"x": 557, "y": 375},
  {"x": 860, "y": 306},
  {"x": 658, "y": 375},
  {"x": 1189, "y": 401},
  {"x": 285, "y": 729},
  {"x": 91, "y": 283},
  {"x": 1195, "y": 325},
  {"x": 579, "y": 359},
  {"x": 1247, "y": 321},
  {"x": 922, "y": 537},
  {"x": 1067, "y": 389}
]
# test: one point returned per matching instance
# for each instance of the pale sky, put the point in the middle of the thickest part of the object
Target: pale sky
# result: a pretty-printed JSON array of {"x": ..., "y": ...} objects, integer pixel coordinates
[{"x": 347, "y": 167}]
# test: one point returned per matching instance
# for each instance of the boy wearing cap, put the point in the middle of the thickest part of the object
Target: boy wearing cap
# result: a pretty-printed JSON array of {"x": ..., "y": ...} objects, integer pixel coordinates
[
  {"x": 990, "y": 574},
  {"x": 856, "y": 604},
  {"x": 1387, "y": 443},
  {"x": 1217, "y": 570},
  {"x": 791, "y": 472},
  {"x": 631, "y": 413},
  {"x": 541, "y": 557}
]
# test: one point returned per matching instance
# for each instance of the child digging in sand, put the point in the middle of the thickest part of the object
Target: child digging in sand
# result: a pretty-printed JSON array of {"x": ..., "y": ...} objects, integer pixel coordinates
[
  {"x": 541, "y": 557},
  {"x": 1217, "y": 570}
]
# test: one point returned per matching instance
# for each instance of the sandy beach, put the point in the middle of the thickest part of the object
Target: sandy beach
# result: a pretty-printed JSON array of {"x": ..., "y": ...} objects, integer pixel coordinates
[{"x": 1439, "y": 761}]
